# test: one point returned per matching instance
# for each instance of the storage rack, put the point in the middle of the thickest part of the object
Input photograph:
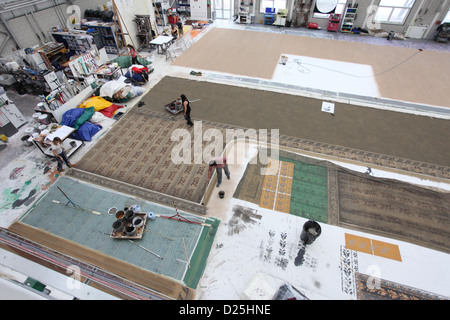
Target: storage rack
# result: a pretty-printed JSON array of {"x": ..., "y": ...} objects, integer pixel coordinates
[
  {"x": 349, "y": 17},
  {"x": 281, "y": 18},
  {"x": 76, "y": 42},
  {"x": 106, "y": 31},
  {"x": 269, "y": 16},
  {"x": 333, "y": 22},
  {"x": 244, "y": 15},
  {"x": 183, "y": 7}
]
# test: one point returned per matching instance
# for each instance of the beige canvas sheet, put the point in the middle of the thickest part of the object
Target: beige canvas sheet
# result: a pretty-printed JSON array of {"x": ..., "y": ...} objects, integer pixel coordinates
[{"x": 424, "y": 78}]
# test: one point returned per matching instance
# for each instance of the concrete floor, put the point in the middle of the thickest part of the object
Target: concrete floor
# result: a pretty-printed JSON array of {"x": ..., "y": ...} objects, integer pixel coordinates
[{"x": 233, "y": 282}]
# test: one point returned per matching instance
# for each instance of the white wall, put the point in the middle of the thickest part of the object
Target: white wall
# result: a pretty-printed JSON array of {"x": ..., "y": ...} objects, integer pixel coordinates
[
  {"x": 48, "y": 18},
  {"x": 128, "y": 9}
]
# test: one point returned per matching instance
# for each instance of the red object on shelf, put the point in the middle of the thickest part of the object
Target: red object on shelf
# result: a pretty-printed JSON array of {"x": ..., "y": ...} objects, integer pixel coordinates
[
  {"x": 312, "y": 25},
  {"x": 173, "y": 19},
  {"x": 333, "y": 22}
]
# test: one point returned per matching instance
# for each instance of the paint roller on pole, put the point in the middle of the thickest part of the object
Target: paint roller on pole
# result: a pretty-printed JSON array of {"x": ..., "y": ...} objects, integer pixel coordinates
[{"x": 73, "y": 204}]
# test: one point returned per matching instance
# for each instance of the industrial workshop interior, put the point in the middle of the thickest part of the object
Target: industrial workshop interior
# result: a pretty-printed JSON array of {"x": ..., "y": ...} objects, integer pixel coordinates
[{"x": 225, "y": 150}]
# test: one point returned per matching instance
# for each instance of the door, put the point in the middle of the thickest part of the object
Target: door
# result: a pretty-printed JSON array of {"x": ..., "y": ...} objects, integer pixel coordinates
[
  {"x": 223, "y": 9},
  {"x": 199, "y": 9}
]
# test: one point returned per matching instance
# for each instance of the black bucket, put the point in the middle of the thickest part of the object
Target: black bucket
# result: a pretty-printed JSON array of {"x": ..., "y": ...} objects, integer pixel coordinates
[
  {"x": 310, "y": 232},
  {"x": 129, "y": 215},
  {"x": 120, "y": 215},
  {"x": 25, "y": 141},
  {"x": 130, "y": 230},
  {"x": 221, "y": 194},
  {"x": 117, "y": 226}
]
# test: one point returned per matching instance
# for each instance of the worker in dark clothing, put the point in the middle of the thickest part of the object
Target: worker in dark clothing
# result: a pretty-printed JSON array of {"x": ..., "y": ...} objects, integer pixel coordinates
[
  {"x": 180, "y": 28},
  {"x": 187, "y": 110},
  {"x": 218, "y": 163}
]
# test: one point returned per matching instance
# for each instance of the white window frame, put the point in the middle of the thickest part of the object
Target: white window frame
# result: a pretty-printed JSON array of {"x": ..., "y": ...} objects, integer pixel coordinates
[
  {"x": 339, "y": 10},
  {"x": 277, "y": 4},
  {"x": 393, "y": 7}
]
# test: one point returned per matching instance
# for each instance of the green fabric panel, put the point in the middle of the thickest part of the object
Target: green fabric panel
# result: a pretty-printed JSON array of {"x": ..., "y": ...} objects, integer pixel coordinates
[
  {"x": 125, "y": 61},
  {"x": 163, "y": 236},
  {"x": 309, "y": 196},
  {"x": 198, "y": 259},
  {"x": 87, "y": 114},
  {"x": 122, "y": 61},
  {"x": 143, "y": 61}
]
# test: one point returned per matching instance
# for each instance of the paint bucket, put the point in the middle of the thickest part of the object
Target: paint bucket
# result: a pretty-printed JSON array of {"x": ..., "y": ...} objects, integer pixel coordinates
[
  {"x": 40, "y": 106},
  {"x": 120, "y": 215},
  {"x": 112, "y": 211},
  {"x": 36, "y": 117},
  {"x": 221, "y": 194},
  {"x": 151, "y": 215},
  {"x": 129, "y": 215},
  {"x": 138, "y": 222},
  {"x": 130, "y": 230},
  {"x": 26, "y": 140},
  {"x": 41, "y": 128},
  {"x": 310, "y": 232},
  {"x": 117, "y": 226},
  {"x": 30, "y": 130},
  {"x": 136, "y": 208},
  {"x": 44, "y": 119}
]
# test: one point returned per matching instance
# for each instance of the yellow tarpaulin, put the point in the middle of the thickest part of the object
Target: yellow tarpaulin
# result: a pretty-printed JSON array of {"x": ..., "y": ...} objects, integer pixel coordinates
[{"x": 97, "y": 102}]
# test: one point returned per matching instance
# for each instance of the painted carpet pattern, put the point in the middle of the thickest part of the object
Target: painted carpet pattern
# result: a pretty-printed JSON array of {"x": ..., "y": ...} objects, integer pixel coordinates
[
  {"x": 358, "y": 201},
  {"x": 137, "y": 151},
  {"x": 392, "y": 208},
  {"x": 380, "y": 289},
  {"x": 277, "y": 186}
]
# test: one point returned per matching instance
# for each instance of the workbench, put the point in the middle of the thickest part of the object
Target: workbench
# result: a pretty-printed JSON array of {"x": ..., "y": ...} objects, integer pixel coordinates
[{"x": 162, "y": 42}]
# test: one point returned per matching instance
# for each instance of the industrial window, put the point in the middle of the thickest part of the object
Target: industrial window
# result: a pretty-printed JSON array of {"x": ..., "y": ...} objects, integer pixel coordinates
[
  {"x": 447, "y": 17},
  {"x": 277, "y": 4},
  {"x": 393, "y": 11},
  {"x": 338, "y": 5}
]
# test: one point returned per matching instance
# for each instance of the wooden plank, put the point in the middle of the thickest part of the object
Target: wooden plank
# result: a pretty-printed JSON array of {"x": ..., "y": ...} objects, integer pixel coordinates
[{"x": 159, "y": 283}]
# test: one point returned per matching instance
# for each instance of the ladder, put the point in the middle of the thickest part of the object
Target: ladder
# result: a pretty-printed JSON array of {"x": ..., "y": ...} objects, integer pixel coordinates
[{"x": 118, "y": 31}]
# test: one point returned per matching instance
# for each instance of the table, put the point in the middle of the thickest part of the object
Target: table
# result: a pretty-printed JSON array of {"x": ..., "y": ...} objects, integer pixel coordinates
[
  {"x": 162, "y": 42},
  {"x": 63, "y": 132}
]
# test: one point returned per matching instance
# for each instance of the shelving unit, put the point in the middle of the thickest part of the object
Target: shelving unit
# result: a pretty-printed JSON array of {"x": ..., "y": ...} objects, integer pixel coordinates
[
  {"x": 244, "y": 15},
  {"x": 183, "y": 7},
  {"x": 106, "y": 31},
  {"x": 76, "y": 42},
  {"x": 159, "y": 14},
  {"x": 281, "y": 18},
  {"x": 333, "y": 22},
  {"x": 269, "y": 15},
  {"x": 349, "y": 17}
]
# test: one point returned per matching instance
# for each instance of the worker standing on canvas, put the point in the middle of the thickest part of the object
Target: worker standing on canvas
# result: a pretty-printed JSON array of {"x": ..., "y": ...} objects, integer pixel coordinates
[
  {"x": 60, "y": 154},
  {"x": 187, "y": 110},
  {"x": 133, "y": 54},
  {"x": 218, "y": 163},
  {"x": 174, "y": 32}
]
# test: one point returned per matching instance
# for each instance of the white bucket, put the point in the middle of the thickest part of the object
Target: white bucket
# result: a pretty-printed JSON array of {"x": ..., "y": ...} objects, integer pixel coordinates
[
  {"x": 41, "y": 128},
  {"x": 36, "y": 117},
  {"x": 44, "y": 119},
  {"x": 30, "y": 130}
]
